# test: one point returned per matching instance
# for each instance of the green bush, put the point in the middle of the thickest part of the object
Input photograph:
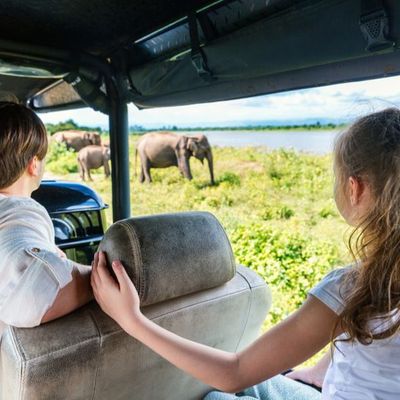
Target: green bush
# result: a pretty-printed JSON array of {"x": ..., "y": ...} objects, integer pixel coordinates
[
  {"x": 328, "y": 210},
  {"x": 286, "y": 212},
  {"x": 229, "y": 178},
  {"x": 282, "y": 212},
  {"x": 290, "y": 262},
  {"x": 60, "y": 160}
]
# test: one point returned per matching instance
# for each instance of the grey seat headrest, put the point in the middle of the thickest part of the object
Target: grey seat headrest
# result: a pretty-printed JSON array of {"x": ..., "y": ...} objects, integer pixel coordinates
[{"x": 170, "y": 255}]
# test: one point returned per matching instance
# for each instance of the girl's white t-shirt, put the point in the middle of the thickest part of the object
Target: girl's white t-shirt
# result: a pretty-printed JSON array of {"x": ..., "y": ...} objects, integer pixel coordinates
[
  {"x": 31, "y": 269},
  {"x": 357, "y": 371}
]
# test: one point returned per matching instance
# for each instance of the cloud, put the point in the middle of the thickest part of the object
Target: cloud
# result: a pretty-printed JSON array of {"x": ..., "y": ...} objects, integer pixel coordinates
[
  {"x": 342, "y": 101},
  {"x": 84, "y": 116}
]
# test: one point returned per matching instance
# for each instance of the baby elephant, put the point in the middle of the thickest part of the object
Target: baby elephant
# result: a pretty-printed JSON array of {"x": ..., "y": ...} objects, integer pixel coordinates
[{"x": 93, "y": 157}]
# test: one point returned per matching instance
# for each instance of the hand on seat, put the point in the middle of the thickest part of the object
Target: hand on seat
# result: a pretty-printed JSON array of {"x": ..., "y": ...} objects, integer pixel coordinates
[{"x": 119, "y": 300}]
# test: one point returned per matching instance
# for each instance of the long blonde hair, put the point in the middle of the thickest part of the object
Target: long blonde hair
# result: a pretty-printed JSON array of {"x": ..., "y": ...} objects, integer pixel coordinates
[{"x": 370, "y": 150}]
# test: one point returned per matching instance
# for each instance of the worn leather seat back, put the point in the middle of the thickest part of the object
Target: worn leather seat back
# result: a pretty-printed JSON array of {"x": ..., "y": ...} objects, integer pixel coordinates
[
  {"x": 170, "y": 255},
  {"x": 86, "y": 355}
]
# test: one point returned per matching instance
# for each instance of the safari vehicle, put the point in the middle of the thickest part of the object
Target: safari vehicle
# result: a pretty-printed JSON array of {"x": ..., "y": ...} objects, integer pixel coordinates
[{"x": 57, "y": 55}]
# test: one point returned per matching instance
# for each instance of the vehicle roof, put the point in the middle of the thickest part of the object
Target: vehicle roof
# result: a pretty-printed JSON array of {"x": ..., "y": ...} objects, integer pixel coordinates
[{"x": 178, "y": 52}]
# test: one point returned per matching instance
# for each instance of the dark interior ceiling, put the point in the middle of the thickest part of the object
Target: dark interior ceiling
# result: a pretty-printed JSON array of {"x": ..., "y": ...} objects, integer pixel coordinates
[
  {"x": 96, "y": 26},
  {"x": 173, "y": 52}
]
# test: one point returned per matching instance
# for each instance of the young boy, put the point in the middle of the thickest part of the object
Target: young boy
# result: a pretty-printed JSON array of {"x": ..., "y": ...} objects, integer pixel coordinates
[{"x": 37, "y": 282}]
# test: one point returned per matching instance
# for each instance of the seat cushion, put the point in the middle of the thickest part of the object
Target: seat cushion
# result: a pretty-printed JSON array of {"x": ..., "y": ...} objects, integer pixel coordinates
[{"x": 86, "y": 355}]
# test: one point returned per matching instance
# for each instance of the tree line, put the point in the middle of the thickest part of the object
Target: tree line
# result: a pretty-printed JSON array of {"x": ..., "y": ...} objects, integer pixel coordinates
[{"x": 70, "y": 124}]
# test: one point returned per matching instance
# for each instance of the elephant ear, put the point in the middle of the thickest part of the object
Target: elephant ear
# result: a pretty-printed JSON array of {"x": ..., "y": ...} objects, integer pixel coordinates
[
  {"x": 192, "y": 145},
  {"x": 182, "y": 143},
  {"x": 202, "y": 141}
]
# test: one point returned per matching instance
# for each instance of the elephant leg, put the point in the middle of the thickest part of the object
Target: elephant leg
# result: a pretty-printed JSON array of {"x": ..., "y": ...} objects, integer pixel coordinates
[
  {"x": 145, "y": 167},
  {"x": 147, "y": 175},
  {"x": 211, "y": 166},
  {"x": 106, "y": 169},
  {"x": 186, "y": 168},
  {"x": 146, "y": 170},
  {"x": 180, "y": 167},
  {"x": 81, "y": 170},
  {"x": 88, "y": 174},
  {"x": 141, "y": 178}
]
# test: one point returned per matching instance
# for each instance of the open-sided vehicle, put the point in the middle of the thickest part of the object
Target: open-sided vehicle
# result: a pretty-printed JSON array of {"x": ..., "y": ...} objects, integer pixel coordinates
[{"x": 58, "y": 55}]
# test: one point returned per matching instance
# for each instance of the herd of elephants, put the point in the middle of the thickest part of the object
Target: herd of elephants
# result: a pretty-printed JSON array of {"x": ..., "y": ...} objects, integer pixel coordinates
[{"x": 155, "y": 149}]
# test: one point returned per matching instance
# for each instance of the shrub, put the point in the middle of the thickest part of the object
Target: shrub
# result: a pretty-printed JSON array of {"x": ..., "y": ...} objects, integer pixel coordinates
[
  {"x": 60, "y": 160},
  {"x": 229, "y": 178},
  {"x": 290, "y": 262},
  {"x": 271, "y": 213},
  {"x": 328, "y": 210},
  {"x": 286, "y": 212}
]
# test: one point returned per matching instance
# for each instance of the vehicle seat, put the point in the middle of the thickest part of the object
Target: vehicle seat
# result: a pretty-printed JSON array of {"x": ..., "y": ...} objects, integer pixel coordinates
[{"x": 183, "y": 267}]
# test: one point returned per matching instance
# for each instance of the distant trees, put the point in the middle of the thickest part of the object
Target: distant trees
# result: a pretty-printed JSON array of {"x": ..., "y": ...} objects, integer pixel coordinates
[
  {"x": 68, "y": 125},
  {"x": 137, "y": 128},
  {"x": 300, "y": 127}
]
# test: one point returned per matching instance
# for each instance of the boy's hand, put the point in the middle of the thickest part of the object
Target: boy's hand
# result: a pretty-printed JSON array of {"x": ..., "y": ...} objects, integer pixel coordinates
[{"x": 119, "y": 300}]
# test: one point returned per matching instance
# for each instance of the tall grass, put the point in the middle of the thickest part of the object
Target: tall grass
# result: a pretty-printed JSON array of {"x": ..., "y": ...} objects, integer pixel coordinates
[{"x": 276, "y": 207}]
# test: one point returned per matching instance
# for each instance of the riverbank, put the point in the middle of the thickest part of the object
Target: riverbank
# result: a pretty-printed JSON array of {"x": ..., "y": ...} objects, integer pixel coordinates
[
  {"x": 265, "y": 128},
  {"x": 318, "y": 142}
]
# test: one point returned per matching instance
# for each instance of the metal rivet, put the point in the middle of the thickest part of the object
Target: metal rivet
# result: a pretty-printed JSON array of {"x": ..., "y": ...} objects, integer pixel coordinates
[{"x": 35, "y": 250}]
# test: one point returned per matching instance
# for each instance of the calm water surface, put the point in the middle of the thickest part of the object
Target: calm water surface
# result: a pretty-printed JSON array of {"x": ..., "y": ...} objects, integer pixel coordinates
[{"x": 320, "y": 142}]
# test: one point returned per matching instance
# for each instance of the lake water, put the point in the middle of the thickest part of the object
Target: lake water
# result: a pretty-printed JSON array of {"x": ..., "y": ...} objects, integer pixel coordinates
[{"x": 320, "y": 142}]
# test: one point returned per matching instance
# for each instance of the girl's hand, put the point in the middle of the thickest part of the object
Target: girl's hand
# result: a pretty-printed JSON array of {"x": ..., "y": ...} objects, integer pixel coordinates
[{"x": 119, "y": 300}]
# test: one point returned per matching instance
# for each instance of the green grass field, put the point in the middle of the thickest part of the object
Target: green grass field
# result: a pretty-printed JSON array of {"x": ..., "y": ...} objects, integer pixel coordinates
[{"x": 276, "y": 207}]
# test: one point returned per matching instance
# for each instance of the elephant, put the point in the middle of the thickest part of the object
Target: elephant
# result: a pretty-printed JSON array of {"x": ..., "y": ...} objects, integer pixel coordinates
[
  {"x": 166, "y": 149},
  {"x": 77, "y": 139},
  {"x": 93, "y": 157}
]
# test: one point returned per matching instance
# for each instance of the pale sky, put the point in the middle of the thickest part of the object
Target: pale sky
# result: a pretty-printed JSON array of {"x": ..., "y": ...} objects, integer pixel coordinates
[{"x": 338, "y": 102}]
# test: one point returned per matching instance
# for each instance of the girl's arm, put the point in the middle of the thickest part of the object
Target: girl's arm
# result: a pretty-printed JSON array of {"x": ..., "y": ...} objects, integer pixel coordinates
[{"x": 286, "y": 345}]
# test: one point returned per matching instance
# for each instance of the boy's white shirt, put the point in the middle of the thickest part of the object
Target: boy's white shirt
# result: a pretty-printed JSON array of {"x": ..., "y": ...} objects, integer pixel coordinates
[
  {"x": 358, "y": 372},
  {"x": 31, "y": 269}
]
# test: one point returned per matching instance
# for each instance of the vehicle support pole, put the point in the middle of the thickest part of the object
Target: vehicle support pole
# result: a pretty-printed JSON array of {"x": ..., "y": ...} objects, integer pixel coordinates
[{"x": 119, "y": 144}]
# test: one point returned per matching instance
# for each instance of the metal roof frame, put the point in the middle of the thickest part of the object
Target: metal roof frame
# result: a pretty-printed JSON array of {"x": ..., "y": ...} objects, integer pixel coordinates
[{"x": 191, "y": 51}]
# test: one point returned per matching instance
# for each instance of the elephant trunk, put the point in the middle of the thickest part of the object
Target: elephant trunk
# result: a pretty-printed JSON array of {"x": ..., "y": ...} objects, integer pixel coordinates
[{"x": 209, "y": 157}]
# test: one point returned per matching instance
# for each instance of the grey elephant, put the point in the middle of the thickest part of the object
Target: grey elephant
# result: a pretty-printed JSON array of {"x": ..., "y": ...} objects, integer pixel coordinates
[
  {"x": 93, "y": 157},
  {"x": 77, "y": 139},
  {"x": 166, "y": 149}
]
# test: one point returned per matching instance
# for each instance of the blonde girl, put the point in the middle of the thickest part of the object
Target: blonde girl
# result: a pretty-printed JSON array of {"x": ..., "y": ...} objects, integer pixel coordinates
[{"x": 356, "y": 308}]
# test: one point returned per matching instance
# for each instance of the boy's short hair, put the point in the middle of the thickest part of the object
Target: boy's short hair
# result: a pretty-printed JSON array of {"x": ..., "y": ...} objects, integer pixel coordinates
[{"x": 22, "y": 137}]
